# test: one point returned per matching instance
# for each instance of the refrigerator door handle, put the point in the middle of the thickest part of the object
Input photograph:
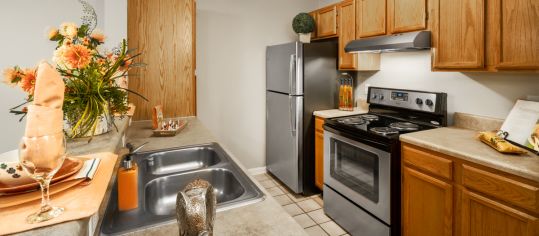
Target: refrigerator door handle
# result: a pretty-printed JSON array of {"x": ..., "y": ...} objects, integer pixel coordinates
[
  {"x": 292, "y": 114},
  {"x": 291, "y": 73}
]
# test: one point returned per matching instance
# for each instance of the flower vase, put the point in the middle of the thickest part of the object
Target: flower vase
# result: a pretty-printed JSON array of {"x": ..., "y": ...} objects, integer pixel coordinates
[
  {"x": 305, "y": 38},
  {"x": 103, "y": 127}
]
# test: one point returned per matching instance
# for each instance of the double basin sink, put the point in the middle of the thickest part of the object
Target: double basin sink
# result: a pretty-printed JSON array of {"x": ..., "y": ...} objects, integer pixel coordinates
[{"x": 163, "y": 173}]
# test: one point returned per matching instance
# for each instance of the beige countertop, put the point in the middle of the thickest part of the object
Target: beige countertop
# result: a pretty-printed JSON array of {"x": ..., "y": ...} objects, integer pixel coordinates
[
  {"x": 463, "y": 143},
  {"x": 262, "y": 218},
  {"x": 109, "y": 142},
  {"x": 338, "y": 113}
]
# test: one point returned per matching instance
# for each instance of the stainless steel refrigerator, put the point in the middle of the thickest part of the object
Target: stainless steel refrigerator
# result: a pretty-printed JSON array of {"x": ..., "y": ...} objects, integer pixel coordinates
[{"x": 300, "y": 78}]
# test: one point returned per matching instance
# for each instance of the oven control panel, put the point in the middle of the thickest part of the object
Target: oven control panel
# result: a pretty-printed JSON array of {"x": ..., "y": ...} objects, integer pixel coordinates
[{"x": 409, "y": 99}]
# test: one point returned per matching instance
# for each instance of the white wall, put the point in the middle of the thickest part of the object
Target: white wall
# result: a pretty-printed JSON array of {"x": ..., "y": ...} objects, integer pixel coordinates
[
  {"x": 24, "y": 25},
  {"x": 323, "y": 3},
  {"x": 231, "y": 39},
  {"x": 488, "y": 94}
]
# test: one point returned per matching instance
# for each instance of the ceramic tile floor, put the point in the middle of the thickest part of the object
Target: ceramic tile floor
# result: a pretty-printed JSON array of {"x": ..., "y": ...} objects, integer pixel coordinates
[{"x": 307, "y": 211}]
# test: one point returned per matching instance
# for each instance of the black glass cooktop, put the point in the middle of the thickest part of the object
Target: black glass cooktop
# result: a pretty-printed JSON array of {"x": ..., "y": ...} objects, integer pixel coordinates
[{"x": 378, "y": 125}]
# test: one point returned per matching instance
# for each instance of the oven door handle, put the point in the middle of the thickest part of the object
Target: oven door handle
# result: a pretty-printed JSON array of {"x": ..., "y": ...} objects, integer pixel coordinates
[{"x": 363, "y": 141}]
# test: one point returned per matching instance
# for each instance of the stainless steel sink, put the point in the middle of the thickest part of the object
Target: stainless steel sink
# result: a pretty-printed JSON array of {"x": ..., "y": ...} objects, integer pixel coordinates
[
  {"x": 163, "y": 173},
  {"x": 165, "y": 162},
  {"x": 161, "y": 193}
]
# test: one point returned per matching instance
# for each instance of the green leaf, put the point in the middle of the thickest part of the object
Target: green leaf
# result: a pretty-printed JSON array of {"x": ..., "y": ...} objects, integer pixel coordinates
[
  {"x": 83, "y": 31},
  {"x": 133, "y": 92},
  {"x": 57, "y": 37}
]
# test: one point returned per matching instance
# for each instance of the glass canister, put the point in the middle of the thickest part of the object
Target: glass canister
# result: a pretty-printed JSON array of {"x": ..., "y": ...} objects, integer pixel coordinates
[{"x": 346, "y": 92}]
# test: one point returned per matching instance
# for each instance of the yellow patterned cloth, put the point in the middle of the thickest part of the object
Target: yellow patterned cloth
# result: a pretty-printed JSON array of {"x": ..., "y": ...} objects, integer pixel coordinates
[{"x": 500, "y": 144}]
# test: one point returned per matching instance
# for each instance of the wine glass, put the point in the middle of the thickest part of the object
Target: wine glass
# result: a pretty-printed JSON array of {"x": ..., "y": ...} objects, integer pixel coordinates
[{"x": 41, "y": 157}]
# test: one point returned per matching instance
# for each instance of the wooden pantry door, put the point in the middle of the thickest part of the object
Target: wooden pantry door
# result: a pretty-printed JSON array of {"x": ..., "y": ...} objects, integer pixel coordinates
[{"x": 164, "y": 31}]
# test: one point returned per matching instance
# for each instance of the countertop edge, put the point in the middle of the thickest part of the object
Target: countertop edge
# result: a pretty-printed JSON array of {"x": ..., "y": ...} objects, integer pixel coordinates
[
  {"x": 457, "y": 154},
  {"x": 333, "y": 113}
]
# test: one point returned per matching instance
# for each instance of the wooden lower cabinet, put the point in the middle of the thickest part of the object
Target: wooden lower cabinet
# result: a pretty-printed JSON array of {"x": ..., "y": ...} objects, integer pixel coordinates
[
  {"x": 427, "y": 205},
  {"x": 474, "y": 201},
  {"x": 482, "y": 216},
  {"x": 319, "y": 153}
]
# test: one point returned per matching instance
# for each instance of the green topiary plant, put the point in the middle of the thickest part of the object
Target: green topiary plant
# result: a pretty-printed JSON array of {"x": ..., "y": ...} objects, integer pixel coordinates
[{"x": 303, "y": 23}]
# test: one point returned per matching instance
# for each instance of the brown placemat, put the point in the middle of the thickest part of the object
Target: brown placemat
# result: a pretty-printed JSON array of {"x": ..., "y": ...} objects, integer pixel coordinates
[{"x": 79, "y": 201}]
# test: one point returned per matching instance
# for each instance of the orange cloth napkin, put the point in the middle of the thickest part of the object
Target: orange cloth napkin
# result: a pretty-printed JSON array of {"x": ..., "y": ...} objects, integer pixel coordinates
[{"x": 45, "y": 115}]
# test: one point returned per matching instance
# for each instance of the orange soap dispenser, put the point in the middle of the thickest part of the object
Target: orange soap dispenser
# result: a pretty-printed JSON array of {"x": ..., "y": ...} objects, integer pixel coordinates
[{"x": 128, "y": 181}]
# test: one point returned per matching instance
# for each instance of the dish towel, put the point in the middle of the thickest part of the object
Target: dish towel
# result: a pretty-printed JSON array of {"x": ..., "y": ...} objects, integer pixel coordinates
[{"x": 88, "y": 169}]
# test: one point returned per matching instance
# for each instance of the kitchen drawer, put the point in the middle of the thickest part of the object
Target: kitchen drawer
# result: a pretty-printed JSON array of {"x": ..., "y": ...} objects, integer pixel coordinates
[
  {"x": 318, "y": 123},
  {"x": 501, "y": 187},
  {"x": 428, "y": 162}
]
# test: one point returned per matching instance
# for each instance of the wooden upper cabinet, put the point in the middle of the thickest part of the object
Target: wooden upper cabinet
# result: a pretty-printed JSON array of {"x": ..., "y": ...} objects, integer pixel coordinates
[
  {"x": 313, "y": 15},
  {"x": 518, "y": 35},
  {"x": 347, "y": 33},
  {"x": 406, "y": 15},
  {"x": 326, "y": 22},
  {"x": 427, "y": 205},
  {"x": 458, "y": 34},
  {"x": 483, "y": 216},
  {"x": 370, "y": 18}
]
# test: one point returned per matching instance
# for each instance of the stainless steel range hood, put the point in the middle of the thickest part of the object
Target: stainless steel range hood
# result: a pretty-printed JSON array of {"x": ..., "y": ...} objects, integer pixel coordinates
[{"x": 412, "y": 41}]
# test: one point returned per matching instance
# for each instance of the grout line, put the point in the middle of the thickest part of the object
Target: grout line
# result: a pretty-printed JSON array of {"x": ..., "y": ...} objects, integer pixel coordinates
[{"x": 286, "y": 192}]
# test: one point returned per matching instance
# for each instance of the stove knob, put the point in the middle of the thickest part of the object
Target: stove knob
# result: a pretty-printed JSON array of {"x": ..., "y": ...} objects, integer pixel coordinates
[
  {"x": 429, "y": 102},
  {"x": 374, "y": 96},
  {"x": 419, "y": 101},
  {"x": 381, "y": 97}
]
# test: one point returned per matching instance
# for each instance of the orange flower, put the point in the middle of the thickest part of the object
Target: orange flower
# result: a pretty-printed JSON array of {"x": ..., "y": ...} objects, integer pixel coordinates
[
  {"x": 68, "y": 29},
  {"x": 11, "y": 76},
  {"x": 99, "y": 37},
  {"x": 52, "y": 33},
  {"x": 125, "y": 64},
  {"x": 77, "y": 56},
  {"x": 28, "y": 81},
  {"x": 86, "y": 41}
]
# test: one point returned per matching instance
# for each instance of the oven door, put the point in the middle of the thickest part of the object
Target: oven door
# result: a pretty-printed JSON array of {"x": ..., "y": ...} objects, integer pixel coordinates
[{"x": 359, "y": 172}]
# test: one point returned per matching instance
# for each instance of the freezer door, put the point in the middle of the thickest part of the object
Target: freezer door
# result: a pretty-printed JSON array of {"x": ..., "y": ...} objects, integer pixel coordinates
[
  {"x": 284, "y": 64},
  {"x": 283, "y": 142}
]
